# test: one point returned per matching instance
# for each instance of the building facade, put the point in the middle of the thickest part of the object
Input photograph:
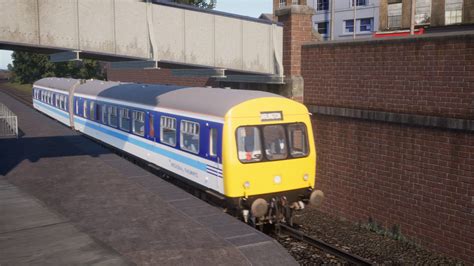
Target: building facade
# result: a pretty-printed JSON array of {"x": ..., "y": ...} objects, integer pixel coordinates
[
  {"x": 396, "y": 14},
  {"x": 366, "y": 17}
]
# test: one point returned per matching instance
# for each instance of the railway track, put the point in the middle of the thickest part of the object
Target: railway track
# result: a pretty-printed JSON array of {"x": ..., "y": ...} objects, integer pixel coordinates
[
  {"x": 301, "y": 236},
  {"x": 22, "y": 97}
]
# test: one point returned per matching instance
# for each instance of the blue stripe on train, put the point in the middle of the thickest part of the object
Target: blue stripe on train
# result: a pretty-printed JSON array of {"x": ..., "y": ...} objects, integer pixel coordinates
[{"x": 142, "y": 144}]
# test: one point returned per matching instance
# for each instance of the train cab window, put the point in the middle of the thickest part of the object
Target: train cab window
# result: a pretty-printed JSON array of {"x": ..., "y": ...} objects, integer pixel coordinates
[
  {"x": 275, "y": 142},
  {"x": 124, "y": 114},
  {"x": 248, "y": 144},
  {"x": 112, "y": 113},
  {"x": 189, "y": 136},
  {"x": 298, "y": 140},
  {"x": 103, "y": 114},
  {"x": 138, "y": 125},
  {"x": 84, "y": 109},
  {"x": 168, "y": 130},
  {"x": 213, "y": 142}
]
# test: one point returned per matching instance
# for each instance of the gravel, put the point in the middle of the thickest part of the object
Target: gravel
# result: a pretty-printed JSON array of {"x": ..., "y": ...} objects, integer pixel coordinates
[{"x": 377, "y": 248}]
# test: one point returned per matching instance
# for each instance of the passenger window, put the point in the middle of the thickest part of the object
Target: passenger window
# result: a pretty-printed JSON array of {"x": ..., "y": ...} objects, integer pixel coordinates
[
  {"x": 189, "y": 140},
  {"x": 138, "y": 126},
  {"x": 168, "y": 130},
  {"x": 103, "y": 113},
  {"x": 92, "y": 111},
  {"x": 77, "y": 107},
  {"x": 275, "y": 142},
  {"x": 298, "y": 140},
  {"x": 112, "y": 112},
  {"x": 124, "y": 119},
  {"x": 213, "y": 142},
  {"x": 248, "y": 144},
  {"x": 151, "y": 125},
  {"x": 84, "y": 109},
  {"x": 56, "y": 100}
]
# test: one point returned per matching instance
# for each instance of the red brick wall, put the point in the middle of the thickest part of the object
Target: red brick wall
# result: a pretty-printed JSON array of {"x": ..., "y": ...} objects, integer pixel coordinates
[
  {"x": 428, "y": 76},
  {"x": 419, "y": 178},
  {"x": 160, "y": 76},
  {"x": 298, "y": 29}
]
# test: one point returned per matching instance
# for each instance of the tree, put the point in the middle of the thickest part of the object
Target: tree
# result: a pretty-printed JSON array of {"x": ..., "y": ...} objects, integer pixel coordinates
[
  {"x": 207, "y": 4},
  {"x": 28, "y": 67}
]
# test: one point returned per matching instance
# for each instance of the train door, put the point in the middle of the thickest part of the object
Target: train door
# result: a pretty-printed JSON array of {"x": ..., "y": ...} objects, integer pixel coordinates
[
  {"x": 151, "y": 133},
  {"x": 215, "y": 156}
]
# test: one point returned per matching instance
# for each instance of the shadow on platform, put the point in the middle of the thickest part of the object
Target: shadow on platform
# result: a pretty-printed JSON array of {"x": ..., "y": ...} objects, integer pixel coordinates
[{"x": 15, "y": 150}]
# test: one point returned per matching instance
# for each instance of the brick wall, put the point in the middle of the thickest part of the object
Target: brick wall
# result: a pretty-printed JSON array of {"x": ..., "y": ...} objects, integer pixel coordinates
[
  {"x": 419, "y": 178},
  {"x": 161, "y": 76}
]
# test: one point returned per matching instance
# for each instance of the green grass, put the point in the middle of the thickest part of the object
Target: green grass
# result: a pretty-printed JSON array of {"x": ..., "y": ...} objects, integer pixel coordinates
[{"x": 20, "y": 87}]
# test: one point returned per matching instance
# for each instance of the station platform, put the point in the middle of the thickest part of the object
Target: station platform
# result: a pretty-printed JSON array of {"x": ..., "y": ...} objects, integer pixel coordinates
[{"x": 65, "y": 199}]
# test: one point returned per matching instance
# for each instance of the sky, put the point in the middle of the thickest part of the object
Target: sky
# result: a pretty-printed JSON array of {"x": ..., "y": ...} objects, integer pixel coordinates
[{"x": 251, "y": 8}]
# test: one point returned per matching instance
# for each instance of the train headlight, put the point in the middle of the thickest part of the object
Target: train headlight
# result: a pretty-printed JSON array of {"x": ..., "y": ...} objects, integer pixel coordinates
[
  {"x": 305, "y": 177},
  {"x": 246, "y": 184},
  {"x": 277, "y": 179}
]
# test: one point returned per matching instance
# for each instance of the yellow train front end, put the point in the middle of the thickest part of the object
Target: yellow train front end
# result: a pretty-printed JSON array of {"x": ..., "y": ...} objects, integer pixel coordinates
[{"x": 269, "y": 159}]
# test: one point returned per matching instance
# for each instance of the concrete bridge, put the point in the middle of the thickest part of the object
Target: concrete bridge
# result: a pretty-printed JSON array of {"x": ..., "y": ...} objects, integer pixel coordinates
[{"x": 120, "y": 30}]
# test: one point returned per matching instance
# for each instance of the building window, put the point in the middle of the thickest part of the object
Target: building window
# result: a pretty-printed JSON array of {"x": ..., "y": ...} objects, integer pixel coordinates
[
  {"x": 282, "y": 3},
  {"x": 322, "y": 5},
  {"x": 295, "y": 2},
  {"x": 423, "y": 12},
  {"x": 322, "y": 27},
  {"x": 359, "y": 2},
  {"x": 349, "y": 26},
  {"x": 138, "y": 126},
  {"x": 453, "y": 11},
  {"x": 395, "y": 15},
  {"x": 365, "y": 25},
  {"x": 168, "y": 130},
  {"x": 189, "y": 136}
]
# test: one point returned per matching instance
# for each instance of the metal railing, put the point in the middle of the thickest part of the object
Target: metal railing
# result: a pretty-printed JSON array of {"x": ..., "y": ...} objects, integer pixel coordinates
[{"x": 8, "y": 122}]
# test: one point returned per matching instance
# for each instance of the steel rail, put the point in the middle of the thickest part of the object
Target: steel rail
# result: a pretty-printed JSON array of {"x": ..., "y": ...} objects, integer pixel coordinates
[{"x": 354, "y": 259}]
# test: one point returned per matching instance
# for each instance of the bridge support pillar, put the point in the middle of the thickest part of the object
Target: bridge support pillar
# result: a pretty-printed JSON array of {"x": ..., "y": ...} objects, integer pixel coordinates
[{"x": 297, "y": 29}]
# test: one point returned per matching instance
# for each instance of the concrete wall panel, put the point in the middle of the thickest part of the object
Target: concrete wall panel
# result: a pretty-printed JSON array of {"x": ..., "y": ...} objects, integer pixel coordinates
[
  {"x": 199, "y": 38},
  {"x": 58, "y": 23},
  {"x": 96, "y": 20},
  {"x": 228, "y": 42},
  {"x": 134, "y": 28},
  {"x": 18, "y": 21},
  {"x": 169, "y": 36},
  {"x": 131, "y": 28},
  {"x": 256, "y": 45}
]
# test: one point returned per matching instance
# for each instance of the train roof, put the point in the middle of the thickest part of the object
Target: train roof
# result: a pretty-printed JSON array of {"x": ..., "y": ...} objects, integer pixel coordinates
[{"x": 208, "y": 101}]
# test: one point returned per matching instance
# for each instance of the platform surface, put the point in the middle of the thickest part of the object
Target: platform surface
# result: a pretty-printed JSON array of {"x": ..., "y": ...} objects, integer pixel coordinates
[{"x": 80, "y": 196}]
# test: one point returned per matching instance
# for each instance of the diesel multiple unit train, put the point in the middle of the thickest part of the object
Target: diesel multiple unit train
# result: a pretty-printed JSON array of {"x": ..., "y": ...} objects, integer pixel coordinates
[{"x": 251, "y": 150}]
